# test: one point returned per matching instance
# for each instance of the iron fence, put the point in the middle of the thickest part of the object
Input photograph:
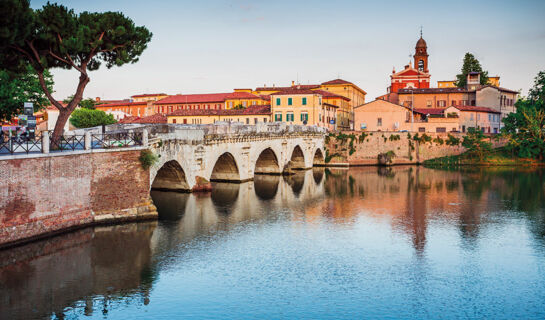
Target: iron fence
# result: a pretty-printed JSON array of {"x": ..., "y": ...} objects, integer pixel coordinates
[
  {"x": 116, "y": 140},
  {"x": 68, "y": 143},
  {"x": 20, "y": 144}
]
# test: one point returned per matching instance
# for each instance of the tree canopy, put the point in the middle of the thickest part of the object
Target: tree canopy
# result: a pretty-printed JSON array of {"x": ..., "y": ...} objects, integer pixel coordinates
[
  {"x": 525, "y": 128},
  {"x": 470, "y": 64},
  {"x": 88, "y": 103},
  {"x": 87, "y": 118},
  {"x": 56, "y": 37},
  {"x": 16, "y": 89}
]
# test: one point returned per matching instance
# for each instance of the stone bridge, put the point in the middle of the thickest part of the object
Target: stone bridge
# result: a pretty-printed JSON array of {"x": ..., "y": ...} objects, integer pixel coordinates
[{"x": 190, "y": 157}]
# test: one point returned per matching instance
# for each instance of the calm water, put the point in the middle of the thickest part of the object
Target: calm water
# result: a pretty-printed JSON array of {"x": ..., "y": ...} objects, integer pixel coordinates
[{"x": 403, "y": 243}]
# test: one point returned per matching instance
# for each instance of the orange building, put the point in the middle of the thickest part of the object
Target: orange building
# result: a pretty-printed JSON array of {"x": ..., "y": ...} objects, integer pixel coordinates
[{"x": 208, "y": 101}]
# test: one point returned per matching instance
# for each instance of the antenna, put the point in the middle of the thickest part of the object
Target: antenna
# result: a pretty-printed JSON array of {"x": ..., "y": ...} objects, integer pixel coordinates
[{"x": 421, "y": 31}]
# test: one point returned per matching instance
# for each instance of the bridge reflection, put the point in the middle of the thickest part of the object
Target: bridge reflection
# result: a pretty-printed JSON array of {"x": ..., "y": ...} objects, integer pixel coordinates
[{"x": 97, "y": 269}]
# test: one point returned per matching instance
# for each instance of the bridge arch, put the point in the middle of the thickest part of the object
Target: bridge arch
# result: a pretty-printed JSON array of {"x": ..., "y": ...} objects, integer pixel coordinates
[
  {"x": 319, "y": 159},
  {"x": 171, "y": 176},
  {"x": 267, "y": 162},
  {"x": 297, "y": 159},
  {"x": 225, "y": 169}
]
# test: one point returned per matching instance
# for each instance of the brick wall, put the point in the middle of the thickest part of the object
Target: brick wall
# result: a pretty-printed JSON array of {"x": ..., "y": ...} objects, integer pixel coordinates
[
  {"x": 44, "y": 195},
  {"x": 407, "y": 150}
]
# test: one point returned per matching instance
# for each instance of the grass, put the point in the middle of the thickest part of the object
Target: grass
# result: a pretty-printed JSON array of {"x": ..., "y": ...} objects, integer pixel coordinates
[{"x": 498, "y": 157}]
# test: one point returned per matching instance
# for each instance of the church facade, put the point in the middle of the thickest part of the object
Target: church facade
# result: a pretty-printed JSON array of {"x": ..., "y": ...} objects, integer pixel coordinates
[{"x": 414, "y": 75}]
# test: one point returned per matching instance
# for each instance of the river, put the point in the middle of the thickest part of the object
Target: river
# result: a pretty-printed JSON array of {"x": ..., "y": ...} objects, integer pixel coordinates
[{"x": 401, "y": 242}]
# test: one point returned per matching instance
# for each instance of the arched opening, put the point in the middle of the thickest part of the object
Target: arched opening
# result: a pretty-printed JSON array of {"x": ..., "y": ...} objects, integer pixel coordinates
[
  {"x": 267, "y": 163},
  {"x": 318, "y": 174},
  {"x": 224, "y": 196},
  {"x": 170, "y": 177},
  {"x": 319, "y": 159},
  {"x": 297, "y": 160},
  {"x": 225, "y": 169},
  {"x": 296, "y": 182},
  {"x": 266, "y": 187}
]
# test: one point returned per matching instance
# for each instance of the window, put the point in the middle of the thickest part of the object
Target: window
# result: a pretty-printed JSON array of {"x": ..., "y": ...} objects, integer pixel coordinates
[
  {"x": 230, "y": 104},
  {"x": 304, "y": 101},
  {"x": 244, "y": 104},
  {"x": 440, "y": 129},
  {"x": 472, "y": 102},
  {"x": 428, "y": 103},
  {"x": 264, "y": 119},
  {"x": 471, "y": 117},
  {"x": 247, "y": 120},
  {"x": 453, "y": 103},
  {"x": 277, "y": 101},
  {"x": 289, "y": 116},
  {"x": 489, "y": 117},
  {"x": 185, "y": 121},
  {"x": 478, "y": 116},
  {"x": 421, "y": 65},
  {"x": 173, "y": 120},
  {"x": 441, "y": 103},
  {"x": 304, "y": 116},
  {"x": 379, "y": 122},
  {"x": 255, "y": 120},
  {"x": 290, "y": 101},
  {"x": 421, "y": 129},
  {"x": 278, "y": 117}
]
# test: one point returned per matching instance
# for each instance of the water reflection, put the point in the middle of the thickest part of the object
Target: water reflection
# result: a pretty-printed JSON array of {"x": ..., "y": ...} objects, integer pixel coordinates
[{"x": 355, "y": 230}]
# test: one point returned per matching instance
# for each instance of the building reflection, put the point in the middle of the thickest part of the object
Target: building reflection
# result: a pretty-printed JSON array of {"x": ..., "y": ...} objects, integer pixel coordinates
[
  {"x": 96, "y": 268},
  {"x": 42, "y": 279}
]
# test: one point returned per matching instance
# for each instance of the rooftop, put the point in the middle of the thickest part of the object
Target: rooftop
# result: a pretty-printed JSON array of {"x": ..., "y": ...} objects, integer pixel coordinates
[
  {"x": 253, "y": 110},
  {"x": 148, "y": 95}
]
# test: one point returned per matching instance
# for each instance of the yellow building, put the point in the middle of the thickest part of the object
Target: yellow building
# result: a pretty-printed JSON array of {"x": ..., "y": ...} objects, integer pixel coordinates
[
  {"x": 303, "y": 107},
  {"x": 208, "y": 101},
  {"x": 354, "y": 95},
  {"x": 148, "y": 97},
  {"x": 495, "y": 81},
  {"x": 250, "y": 115}
]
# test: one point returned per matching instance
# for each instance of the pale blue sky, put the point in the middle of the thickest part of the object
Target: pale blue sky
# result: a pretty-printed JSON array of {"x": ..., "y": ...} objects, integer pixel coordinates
[{"x": 215, "y": 46}]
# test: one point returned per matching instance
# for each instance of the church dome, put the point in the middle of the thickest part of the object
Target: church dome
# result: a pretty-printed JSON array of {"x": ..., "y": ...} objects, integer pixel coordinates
[{"x": 421, "y": 43}]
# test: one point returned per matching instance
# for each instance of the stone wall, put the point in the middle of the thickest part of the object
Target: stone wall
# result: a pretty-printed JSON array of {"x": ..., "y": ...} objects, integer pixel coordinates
[
  {"x": 407, "y": 150},
  {"x": 50, "y": 193}
]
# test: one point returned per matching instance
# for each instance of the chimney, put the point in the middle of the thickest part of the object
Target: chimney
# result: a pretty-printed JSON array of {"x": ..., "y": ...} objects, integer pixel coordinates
[
  {"x": 406, "y": 67},
  {"x": 292, "y": 83},
  {"x": 97, "y": 99}
]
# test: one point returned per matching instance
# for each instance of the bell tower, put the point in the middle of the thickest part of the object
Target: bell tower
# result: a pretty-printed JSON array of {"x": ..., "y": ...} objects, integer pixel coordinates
[{"x": 421, "y": 55}]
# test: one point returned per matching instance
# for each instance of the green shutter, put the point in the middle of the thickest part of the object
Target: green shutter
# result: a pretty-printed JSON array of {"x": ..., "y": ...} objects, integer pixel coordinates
[
  {"x": 277, "y": 101},
  {"x": 304, "y": 101},
  {"x": 290, "y": 101}
]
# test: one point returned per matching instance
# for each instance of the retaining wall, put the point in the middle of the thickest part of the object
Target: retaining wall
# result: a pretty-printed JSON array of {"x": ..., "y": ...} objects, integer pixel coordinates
[
  {"x": 407, "y": 150},
  {"x": 47, "y": 194}
]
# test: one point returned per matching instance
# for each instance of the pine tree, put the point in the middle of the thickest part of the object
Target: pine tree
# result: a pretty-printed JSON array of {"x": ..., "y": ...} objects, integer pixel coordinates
[{"x": 471, "y": 64}]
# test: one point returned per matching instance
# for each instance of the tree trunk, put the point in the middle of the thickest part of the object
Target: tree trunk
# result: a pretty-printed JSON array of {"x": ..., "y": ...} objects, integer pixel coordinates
[{"x": 64, "y": 114}]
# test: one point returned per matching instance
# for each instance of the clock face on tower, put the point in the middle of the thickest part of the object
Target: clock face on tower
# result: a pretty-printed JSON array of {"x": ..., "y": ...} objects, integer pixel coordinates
[{"x": 421, "y": 65}]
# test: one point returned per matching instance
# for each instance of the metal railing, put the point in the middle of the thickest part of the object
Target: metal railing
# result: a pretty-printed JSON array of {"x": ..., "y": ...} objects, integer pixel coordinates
[
  {"x": 18, "y": 144},
  {"x": 116, "y": 140},
  {"x": 45, "y": 144}
]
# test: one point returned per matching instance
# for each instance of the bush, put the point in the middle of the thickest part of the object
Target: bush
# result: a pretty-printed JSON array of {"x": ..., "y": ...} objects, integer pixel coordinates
[
  {"x": 452, "y": 140},
  {"x": 87, "y": 118},
  {"x": 386, "y": 158},
  {"x": 475, "y": 144},
  {"x": 147, "y": 158}
]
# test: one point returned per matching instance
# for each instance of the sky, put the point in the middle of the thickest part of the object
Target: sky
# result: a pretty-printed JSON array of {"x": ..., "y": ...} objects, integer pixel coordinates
[{"x": 214, "y": 46}]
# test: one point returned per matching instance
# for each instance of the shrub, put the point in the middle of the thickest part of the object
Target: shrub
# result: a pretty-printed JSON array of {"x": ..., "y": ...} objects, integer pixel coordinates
[
  {"x": 394, "y": 137},
  {"x": 147, "y": 158},
  {"x": 386, "y": 158},
  {"x": 452, "y": 140},
  {"x": 475, "y": 144},
  {"x": 87, "y": 118},
  {"x": 439, "y": 140}
]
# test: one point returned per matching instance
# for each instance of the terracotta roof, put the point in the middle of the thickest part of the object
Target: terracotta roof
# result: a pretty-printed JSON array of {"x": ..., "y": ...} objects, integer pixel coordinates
[
  {"x": 336, "y": 81},
  {"x": 429, "y": 110},
  {"x": 156, "y": 118},
  {"x": 252, "y": 110},
  {"x": 327, "y": 94},
  {"x": 302, "y": 86},
  {"x": 421, "y": 43},
  {"x": 432, "y": 90},
  {"x": 129, "y": 119},
  {"x": 148, "y": 95},
  {"x": 117, "y": 104},
  {"x": 331, "y": 105},
  {"x": 194, "y": 98},
  {"x": 499, "y": 88},
  {"x": 476, "y": 108},
  {"x": 241, "y": 95},
  {"x": 265, "y": 97},
  {"x": 295, "y": 90}
]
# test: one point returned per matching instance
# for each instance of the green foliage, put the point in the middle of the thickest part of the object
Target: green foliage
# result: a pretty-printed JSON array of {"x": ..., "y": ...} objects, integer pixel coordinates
[
  {"x": 476, "y": 145},
  {"x": 471, "y": 64},
  {"x": 386, "y": 158},
  {"x": 439, "y": 140},
  {"x": 394, "y": 137},
  {"x": 362, "y": 137},
  {"x": 525, "y": 129},
  {"x": 87, "y": 118},
  {"x": 88, "y": 103},
  {"x": 57, "y": 37},
  {"x": 416, "y": 137},
  {"x": 425, "y": 138},
  {"x": 239, "y": 107},
  {"x": 147, "y": 158},
  {"x": 328, "y": 156},
  {"x": 452, "y": 140},
  {"x": 16, "y": 88}
]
